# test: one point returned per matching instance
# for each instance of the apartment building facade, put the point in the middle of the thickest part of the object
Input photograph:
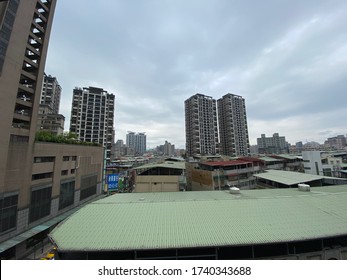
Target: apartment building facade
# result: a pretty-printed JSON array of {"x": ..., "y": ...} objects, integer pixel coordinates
[
  {"x": 233, "y": 128},
  {"x": 92, "y": 116},
  {"x": 49, "y": 118},
  {"x": 272, "y": 145},
  {"x": 136, "y": 142},
  {"x": 50, "y": 95},
  {"x": 201, "y": 125}
]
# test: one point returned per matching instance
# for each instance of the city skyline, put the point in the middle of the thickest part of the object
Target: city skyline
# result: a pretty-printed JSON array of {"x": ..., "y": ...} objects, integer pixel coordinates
[{"x": 288, "y": 60}]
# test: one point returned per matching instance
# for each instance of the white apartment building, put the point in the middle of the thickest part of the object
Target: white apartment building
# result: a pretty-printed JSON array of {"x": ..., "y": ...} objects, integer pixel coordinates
[{"x": 137, "y": 142}]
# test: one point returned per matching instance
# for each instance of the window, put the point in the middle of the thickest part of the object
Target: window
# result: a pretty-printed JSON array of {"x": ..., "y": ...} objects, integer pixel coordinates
[
  {"x": 43, "y": 159},
  {"x": 66, "y": 158},
  {"x": 67, "y": 194},
  {"x": 41, "y": 176},
  {"x": 40, "y": 203},
  {"x": 8, "y": 212},
  {"x": 64, "y": 172},
  {"x": 88, "y": 186}
]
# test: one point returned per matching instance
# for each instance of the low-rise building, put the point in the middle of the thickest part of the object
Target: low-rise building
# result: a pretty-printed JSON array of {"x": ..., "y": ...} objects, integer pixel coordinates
[
  {"x": 218, "y": 175},
  {"x": 325, "y": 163},
  {"x": 288, "y": 179},
  {"x": 168, "y": 176}
]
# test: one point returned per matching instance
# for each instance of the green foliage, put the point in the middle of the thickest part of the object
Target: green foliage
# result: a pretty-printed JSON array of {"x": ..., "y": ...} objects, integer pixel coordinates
[{"x": 66, "y": 138}]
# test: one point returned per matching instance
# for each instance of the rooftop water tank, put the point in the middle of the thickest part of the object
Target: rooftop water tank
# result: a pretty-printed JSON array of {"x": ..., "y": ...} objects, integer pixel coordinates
[
  {"x": 234, "y": 190},
  {"x": 304, "y": 187}
]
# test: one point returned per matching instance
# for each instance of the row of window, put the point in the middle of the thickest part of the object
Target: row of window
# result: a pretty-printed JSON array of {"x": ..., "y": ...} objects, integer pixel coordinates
[
  {"x": 52, "y": 159},
  {"x": 41, "y": 199}
]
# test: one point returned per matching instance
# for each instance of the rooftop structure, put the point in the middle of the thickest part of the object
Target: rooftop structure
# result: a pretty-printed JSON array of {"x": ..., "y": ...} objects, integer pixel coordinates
[
  {"x": 271, "y": 223},
  {"x": 280, "y": 178}
]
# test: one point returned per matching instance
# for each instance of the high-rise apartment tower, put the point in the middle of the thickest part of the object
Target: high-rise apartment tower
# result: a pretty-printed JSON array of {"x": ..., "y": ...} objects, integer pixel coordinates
[
  {"x": 49, "y": 118},
  {"x": 50, "y": 95},
  {"x": 201, "y": 125},
  {"x": 233, "y": 129},
  {"x": 92, "y": 115},
  {"x": 137, "y": 142}
]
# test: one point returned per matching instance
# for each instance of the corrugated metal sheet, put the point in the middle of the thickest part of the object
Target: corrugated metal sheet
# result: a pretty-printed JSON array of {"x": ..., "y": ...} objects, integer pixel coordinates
[
  {"x": 290, "y": 178},
  {"x": 270, "y": 159},
  {"x": 198, "y": 219},
  {"x": 165, "y": 164}
]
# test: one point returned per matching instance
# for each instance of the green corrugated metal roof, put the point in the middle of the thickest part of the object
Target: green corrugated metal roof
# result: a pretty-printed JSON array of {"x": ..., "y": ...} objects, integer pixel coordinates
[
  {"x": 37, "y": 229},
  {"x": 290, "y": 178},
  {"x": 138, "y": 221}
]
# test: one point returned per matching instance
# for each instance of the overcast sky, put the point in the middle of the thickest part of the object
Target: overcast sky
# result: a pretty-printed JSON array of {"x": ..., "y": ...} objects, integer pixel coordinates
[{"x": 288, "y": 59}]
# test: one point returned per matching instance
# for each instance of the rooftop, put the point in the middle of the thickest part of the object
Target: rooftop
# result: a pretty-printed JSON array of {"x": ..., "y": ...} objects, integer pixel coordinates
[
  {"x": 226, "y": 163},
  {"x": 165, "y": 164},
  {"x": 138, "y": 221},
  {"x": 290, "y": 178}
]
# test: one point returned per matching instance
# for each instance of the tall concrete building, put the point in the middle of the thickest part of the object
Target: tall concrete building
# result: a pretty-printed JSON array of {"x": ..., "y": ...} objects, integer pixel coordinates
[
  {"x": 137, "y": 142},
  {"x": 201, "y": 125},
  {"x": 92, "y": 115},
  {"x": 50, "y": 95},
  {"x": 40, "y": 182},
  {"x": 49, "y": 118},
  {"x": 25, "y": 28},
  {"x": 233, "y": 129}
]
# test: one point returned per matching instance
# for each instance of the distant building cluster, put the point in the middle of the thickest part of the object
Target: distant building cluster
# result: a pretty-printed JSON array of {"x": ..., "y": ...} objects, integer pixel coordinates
[
  {"x": 167, "y": 149},
  {"x": 272, "y": 145}
]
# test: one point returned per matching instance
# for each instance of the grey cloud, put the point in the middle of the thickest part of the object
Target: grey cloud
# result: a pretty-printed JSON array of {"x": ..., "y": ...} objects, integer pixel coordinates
[{"x": 287, "y": 58}]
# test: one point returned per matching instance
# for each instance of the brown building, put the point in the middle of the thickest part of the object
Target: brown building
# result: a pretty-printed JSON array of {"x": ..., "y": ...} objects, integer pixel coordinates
[
  {"x": 168, "y": 176},
  {"x": 38, "y": 181}
]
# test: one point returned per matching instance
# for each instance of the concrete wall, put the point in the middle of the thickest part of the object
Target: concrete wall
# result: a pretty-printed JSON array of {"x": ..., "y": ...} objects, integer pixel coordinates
[{"x": 156, "y": 184}]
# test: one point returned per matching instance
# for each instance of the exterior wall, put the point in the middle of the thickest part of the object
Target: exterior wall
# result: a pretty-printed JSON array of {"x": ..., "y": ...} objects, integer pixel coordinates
[
  {"x": 17, "y": 139},
  {"x": 51, "y": 122},
  {"x": 312, "y": 162},
  {"x": 156, "y": 184},
  {"x": 202, "y": 180},
  {"x": 83, "y": 161}
]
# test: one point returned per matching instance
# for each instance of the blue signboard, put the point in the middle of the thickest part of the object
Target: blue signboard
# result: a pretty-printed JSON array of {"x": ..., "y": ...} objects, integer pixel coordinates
[{"x": 112, "y": 181}]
